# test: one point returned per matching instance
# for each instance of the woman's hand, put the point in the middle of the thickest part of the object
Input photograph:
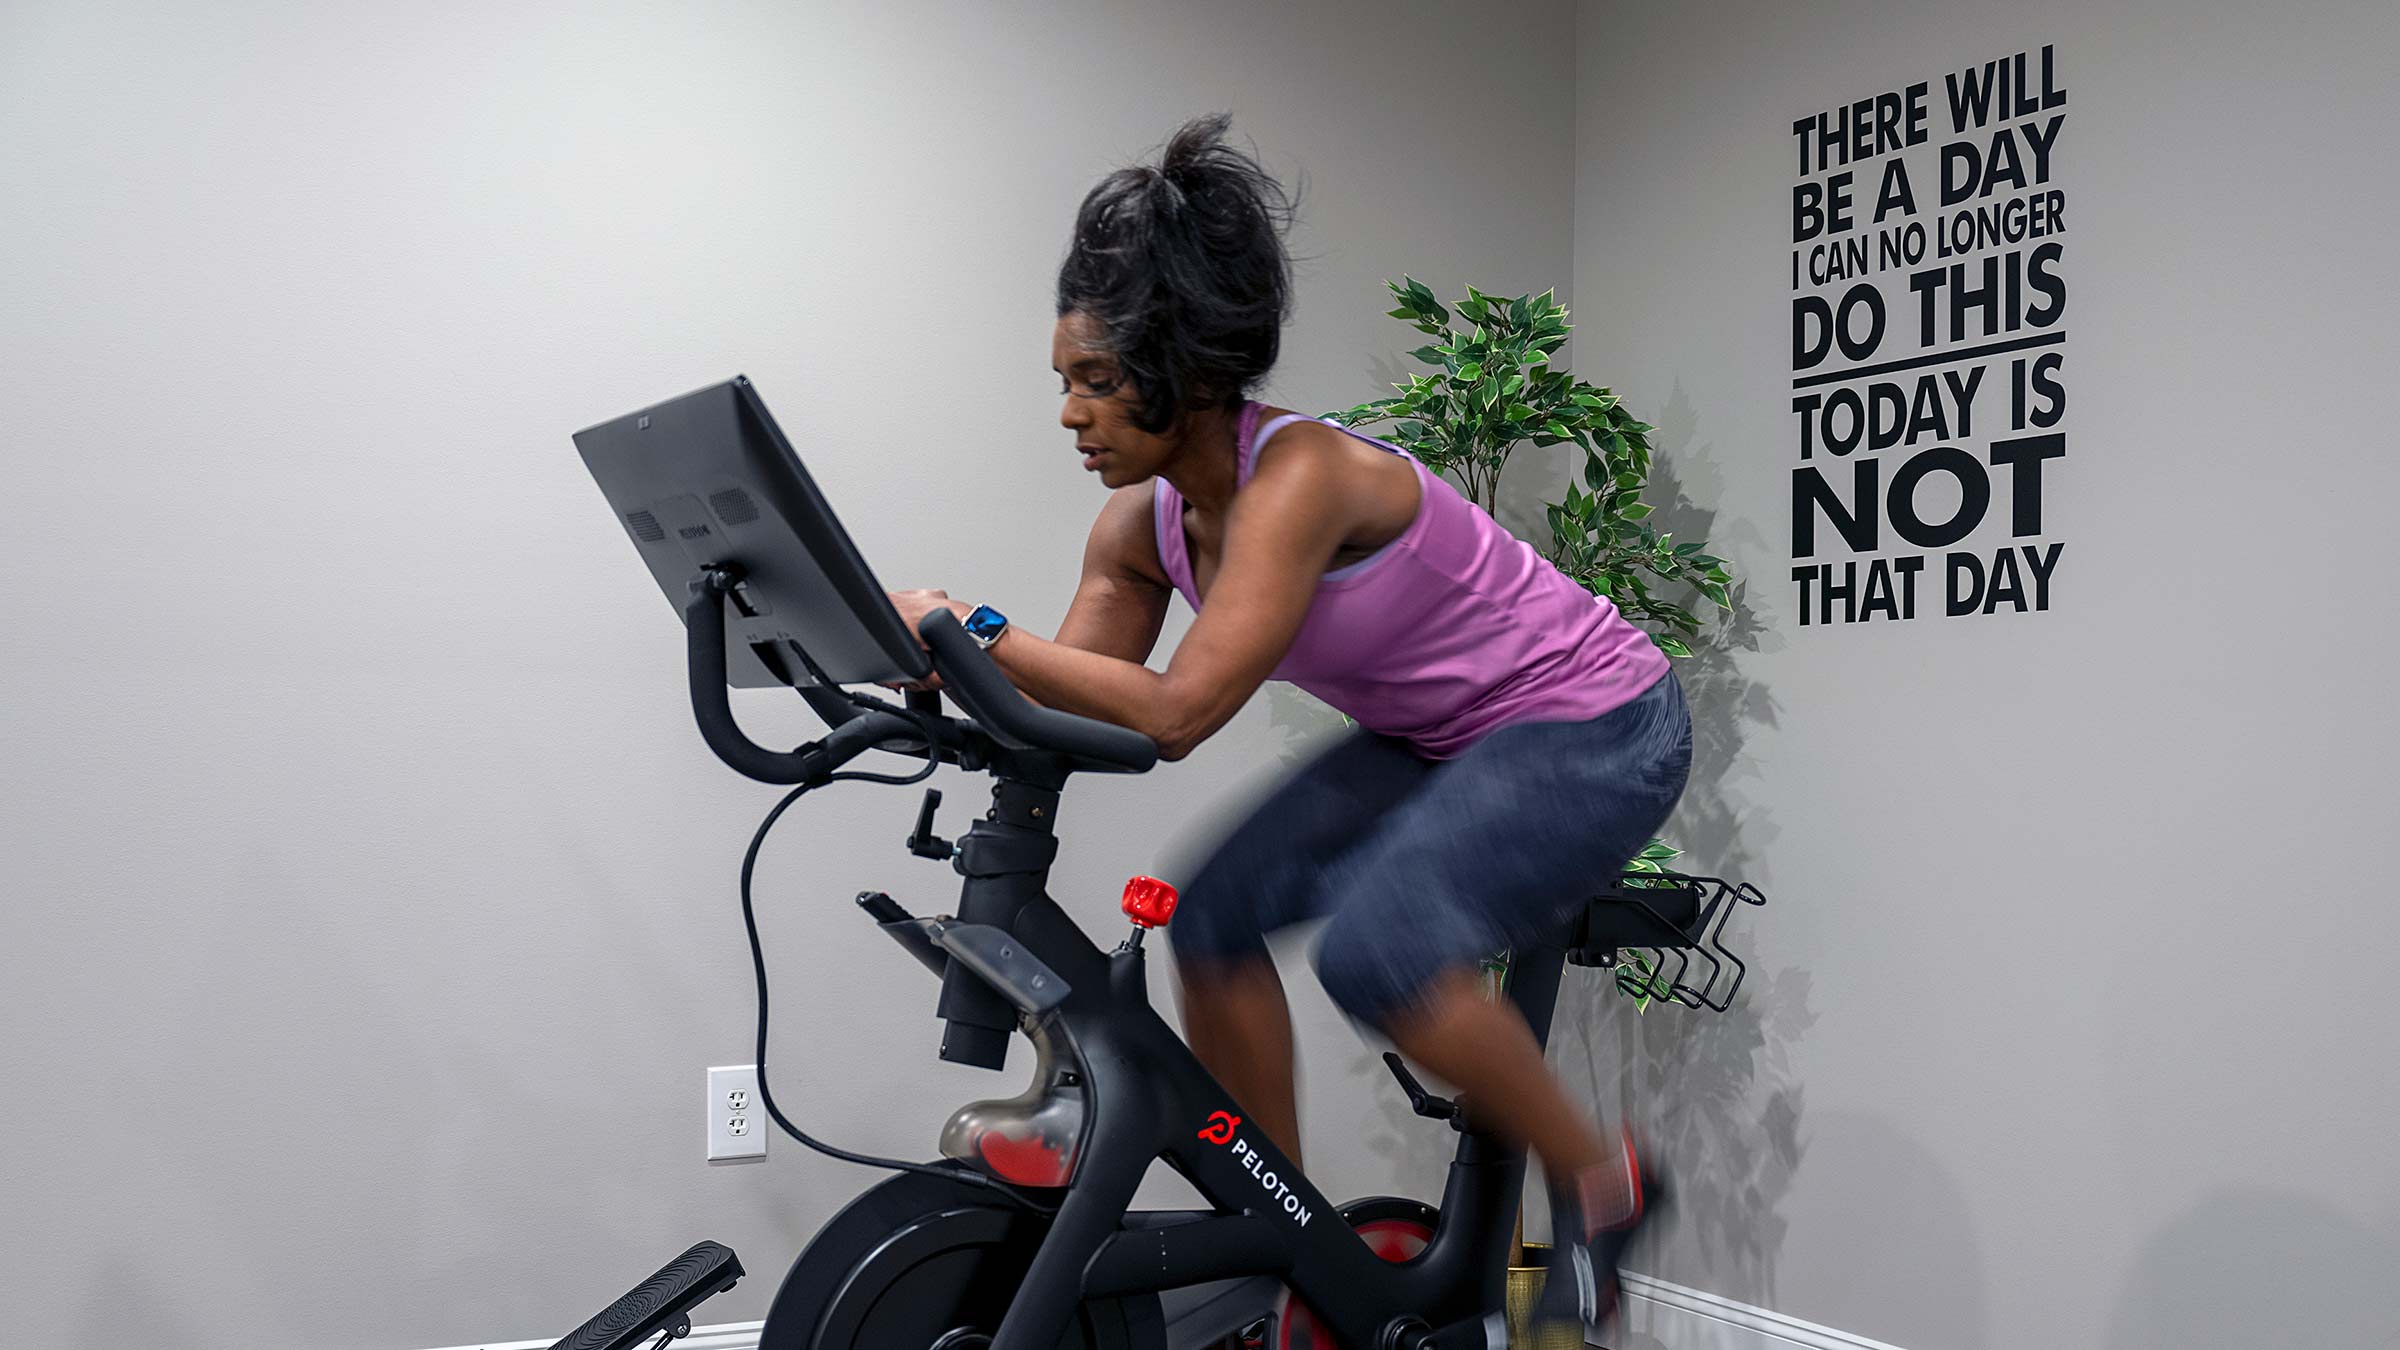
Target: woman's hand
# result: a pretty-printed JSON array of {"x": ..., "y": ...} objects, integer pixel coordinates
[{"x": 913, "y": 607}]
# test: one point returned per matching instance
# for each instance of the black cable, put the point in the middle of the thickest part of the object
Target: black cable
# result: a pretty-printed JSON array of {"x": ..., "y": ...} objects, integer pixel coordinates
[{"x": 758, "y": 966}]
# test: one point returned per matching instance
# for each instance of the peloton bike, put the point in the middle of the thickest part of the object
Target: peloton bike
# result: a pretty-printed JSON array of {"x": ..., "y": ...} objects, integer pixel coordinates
[{"x": 1033, "y": 1248}]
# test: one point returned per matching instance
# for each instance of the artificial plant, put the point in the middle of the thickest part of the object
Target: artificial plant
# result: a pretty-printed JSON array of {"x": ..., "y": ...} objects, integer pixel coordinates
[{"x": 1495, "y": 385}]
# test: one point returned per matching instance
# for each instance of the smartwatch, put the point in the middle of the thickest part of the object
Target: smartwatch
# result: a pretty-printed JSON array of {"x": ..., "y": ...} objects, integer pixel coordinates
[{"x": 986, "y": 625}]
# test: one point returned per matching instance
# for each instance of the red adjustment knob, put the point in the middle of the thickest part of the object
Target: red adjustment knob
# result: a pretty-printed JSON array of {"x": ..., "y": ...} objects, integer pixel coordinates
[{"x": 1149, "y": 902}]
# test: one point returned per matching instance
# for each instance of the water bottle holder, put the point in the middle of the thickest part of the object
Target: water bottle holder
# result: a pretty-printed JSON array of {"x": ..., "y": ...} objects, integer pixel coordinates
[{"x": 1661, "y": 935}]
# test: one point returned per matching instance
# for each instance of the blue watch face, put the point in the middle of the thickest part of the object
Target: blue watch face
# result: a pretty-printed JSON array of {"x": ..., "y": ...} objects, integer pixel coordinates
[{"x": 986, "y": 622}]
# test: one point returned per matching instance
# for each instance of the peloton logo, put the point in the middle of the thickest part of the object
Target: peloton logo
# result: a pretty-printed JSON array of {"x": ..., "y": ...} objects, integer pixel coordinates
[{"x": 1219, "y": 1130}]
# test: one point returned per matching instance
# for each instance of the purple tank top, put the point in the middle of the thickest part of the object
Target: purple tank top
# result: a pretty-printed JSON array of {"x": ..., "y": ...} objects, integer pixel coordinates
[{"x": 1448, "y": 633}]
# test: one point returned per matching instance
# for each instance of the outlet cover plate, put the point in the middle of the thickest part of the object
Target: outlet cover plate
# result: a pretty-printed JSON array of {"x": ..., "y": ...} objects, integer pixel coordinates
[{"x": 737, "y": 1123}]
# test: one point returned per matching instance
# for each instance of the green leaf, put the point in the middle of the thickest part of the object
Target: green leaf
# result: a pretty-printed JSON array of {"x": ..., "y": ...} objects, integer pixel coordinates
[
  {"x": 1671, "y": 644},
  {"x": 1470, "y": 372},
  {"x": 1519, "y": 412},
  {"x": 1637, "y": 510}
]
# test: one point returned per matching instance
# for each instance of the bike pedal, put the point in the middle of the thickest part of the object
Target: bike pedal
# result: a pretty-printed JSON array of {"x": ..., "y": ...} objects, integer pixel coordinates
[{"x": 662, "y": 1303}]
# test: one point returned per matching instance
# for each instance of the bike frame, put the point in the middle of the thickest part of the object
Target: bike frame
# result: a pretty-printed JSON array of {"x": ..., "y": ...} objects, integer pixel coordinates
[
  {"x": 1148, "y": 1098},
  {"x": 719, "y": 508}
]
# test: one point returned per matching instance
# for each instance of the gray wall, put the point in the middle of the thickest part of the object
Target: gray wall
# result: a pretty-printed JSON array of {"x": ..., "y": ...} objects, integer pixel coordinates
[
  {"x": 2067, "y": 1028},
  {"x": 369, "y": 901}
]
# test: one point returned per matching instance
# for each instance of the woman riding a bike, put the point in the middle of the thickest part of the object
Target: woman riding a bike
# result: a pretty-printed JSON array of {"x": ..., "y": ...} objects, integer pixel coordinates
[{"x": 1518, "y": 740}]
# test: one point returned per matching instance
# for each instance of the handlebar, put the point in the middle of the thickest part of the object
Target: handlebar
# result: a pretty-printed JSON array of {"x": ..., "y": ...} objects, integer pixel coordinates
[
  {"x": 855, "y": 729},
  {"x": 1013, "y": 720},
  {"x": 1001, "y": 715}
]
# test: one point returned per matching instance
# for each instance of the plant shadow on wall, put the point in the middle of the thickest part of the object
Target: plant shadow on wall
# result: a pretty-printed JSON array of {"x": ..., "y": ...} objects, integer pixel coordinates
[{"x": 1713, "y": 1093}]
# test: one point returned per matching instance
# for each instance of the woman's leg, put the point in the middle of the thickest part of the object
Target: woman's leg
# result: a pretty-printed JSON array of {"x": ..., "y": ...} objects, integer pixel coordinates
[
  {"x": 1482, "y": 1046},
  {"x": 1270, "y": 873},
  {"x": 1238, "y": 1023},
  {"x": 1495, "y": 852}
]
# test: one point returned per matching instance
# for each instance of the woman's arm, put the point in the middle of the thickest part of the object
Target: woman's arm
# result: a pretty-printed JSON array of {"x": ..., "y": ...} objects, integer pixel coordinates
[
  {"x": 1121, "y": 600},
  {"x": 1281, "y": 533}
]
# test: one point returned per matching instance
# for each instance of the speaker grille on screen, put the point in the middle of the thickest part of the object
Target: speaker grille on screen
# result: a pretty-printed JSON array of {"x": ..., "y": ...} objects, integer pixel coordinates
[
  {"x": 646, "y": 528},
  {"x": 734, "y": 507}
]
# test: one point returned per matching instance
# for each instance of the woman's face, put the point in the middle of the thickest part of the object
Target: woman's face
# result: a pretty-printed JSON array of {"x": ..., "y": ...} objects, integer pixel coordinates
[{"x": 1101, "y": 407}]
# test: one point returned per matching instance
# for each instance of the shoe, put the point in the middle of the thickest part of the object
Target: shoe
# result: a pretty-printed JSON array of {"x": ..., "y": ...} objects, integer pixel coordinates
[{"x": 1581, "y": 1288}]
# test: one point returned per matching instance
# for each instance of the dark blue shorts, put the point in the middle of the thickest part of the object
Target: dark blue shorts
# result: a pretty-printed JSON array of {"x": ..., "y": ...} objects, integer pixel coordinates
[{"x": 1426, "y": 866}]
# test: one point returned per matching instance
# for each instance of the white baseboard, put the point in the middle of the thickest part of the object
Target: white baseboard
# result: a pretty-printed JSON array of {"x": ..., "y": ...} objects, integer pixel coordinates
[
  {"x": 1682, "y": 1318},
  {"x": 1676, "y": 1316}
]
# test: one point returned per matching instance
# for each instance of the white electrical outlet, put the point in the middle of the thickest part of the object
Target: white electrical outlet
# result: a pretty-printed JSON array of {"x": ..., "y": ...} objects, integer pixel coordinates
[{"x": 736, "y": 1122}]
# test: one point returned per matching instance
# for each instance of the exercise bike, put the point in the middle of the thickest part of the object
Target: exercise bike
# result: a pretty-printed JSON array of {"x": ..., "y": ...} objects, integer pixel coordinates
[{"x": 1021, "y": 1237}]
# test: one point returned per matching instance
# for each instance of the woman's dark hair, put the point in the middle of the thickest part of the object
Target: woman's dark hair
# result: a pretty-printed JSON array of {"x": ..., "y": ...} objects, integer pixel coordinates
[{"x": 1182, "y": 267}]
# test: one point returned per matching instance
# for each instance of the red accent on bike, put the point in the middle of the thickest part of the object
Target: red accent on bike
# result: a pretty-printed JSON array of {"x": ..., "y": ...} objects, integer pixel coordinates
[
  {"x": 1219, "y": 1129},
  {"x": 1149, "y": 902},
  {"x": 1395, "y": 1239},
  {"x": 1633, "y": 1173},
  {"x": 1391, "y": 1239},
  {"x": 1027, "y": 1162}
]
